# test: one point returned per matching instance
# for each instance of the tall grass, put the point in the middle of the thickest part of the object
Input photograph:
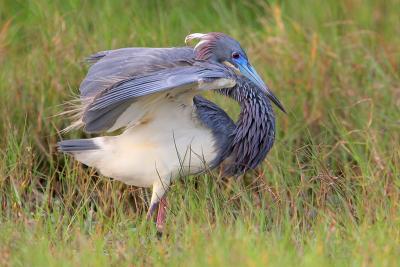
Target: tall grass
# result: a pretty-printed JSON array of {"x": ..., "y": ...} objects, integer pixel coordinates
[{"x": 327, "y": 194}]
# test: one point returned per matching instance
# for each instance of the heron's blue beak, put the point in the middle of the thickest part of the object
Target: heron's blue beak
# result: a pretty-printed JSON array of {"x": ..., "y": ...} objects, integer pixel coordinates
[{"x": 247, "y": 70}]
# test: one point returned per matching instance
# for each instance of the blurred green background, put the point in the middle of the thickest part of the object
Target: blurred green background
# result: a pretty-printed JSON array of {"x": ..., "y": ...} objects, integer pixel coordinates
[{"x": 327, "y": 194}]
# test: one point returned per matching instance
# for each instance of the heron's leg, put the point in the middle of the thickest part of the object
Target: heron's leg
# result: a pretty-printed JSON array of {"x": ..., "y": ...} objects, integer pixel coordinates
[
  {"x": 151, "y": 210},
  {"x": 161, "y": 215},
  {"x": 158, "y": 199}
]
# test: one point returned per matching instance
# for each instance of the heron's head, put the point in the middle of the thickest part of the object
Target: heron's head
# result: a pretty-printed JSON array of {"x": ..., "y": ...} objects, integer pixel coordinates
[{"x": 216, "y": 46}]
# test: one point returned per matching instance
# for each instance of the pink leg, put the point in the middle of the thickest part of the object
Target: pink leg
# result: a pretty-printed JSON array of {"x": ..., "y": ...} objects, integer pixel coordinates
[{"x": 161, "y": 216}]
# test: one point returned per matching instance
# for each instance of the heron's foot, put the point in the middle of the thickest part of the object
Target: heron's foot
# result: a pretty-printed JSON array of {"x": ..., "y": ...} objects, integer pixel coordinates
[{"x": 161, "y": 216}]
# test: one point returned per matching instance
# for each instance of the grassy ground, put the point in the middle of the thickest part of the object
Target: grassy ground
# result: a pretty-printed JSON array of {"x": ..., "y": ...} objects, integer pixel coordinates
[{"x": 327, "y": 195}]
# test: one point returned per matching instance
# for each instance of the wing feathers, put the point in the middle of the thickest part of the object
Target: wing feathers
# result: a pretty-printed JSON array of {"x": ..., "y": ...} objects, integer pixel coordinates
[
  {"x": 129, "y": 62},
  {"x": 105, "y": 109},
  {"x": 153, "y": 83},
  {"x": 116, "y": 87},
  {"x": 101, "y": 120}
]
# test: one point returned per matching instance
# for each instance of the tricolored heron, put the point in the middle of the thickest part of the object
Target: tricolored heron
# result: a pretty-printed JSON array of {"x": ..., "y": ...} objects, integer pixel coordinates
[{"x": 169, "y": 129}]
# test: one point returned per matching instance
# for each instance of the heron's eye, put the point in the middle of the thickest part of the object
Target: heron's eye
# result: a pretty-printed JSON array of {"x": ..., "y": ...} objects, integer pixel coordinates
[{"x": 235, "y": 55}]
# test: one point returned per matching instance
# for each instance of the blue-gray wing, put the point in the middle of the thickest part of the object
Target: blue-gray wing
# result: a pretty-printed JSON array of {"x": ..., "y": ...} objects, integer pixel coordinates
[
  {"x": 112, "y": 66},
  {"x": 126, "y": 101}
]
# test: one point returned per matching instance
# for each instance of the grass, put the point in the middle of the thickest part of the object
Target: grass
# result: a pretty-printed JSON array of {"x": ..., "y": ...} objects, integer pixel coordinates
[{"x": 327, "y": 195}]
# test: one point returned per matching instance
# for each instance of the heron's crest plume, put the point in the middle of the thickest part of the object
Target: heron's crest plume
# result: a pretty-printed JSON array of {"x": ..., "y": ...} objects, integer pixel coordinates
[{"x": 211, "y": 44}]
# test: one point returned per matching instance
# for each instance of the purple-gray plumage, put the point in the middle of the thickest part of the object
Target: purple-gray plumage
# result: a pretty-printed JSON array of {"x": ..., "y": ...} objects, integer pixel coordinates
[{"x": 168, "y": 129}]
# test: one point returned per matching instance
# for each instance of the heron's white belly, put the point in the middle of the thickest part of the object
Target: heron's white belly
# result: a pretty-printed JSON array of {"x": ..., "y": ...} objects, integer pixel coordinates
[{"x": 170, "y": 145}]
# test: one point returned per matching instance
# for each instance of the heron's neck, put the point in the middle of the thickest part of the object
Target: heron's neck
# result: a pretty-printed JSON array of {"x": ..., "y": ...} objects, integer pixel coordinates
[{"x": 255, "y": 129}]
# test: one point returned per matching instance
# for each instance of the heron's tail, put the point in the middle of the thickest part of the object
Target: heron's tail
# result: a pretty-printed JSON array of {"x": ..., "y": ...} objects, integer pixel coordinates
[
  {"x": 77, "y": 145},
  {"x": 90, "y": 152}
]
